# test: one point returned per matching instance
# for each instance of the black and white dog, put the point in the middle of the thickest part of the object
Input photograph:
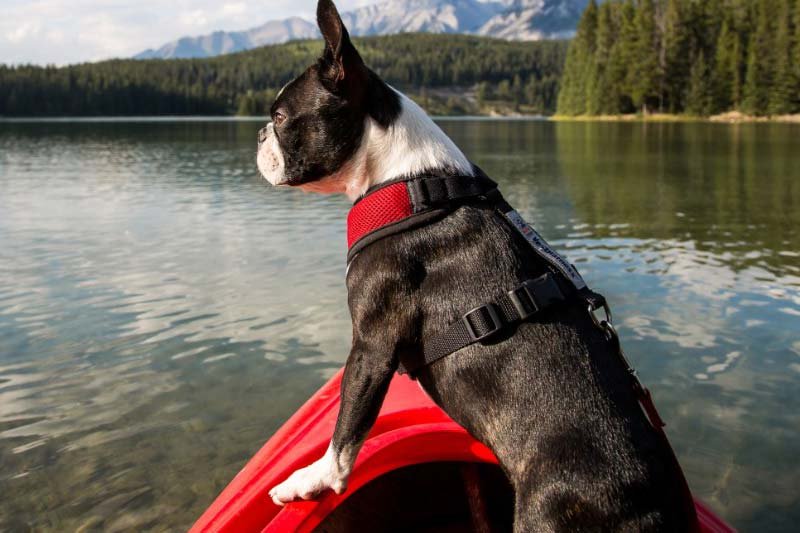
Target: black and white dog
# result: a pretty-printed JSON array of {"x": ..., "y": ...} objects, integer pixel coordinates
[{"x": 551, "y": 401}]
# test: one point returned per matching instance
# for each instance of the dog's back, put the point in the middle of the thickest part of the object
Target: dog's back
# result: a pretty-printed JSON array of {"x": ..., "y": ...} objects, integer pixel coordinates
[{"x": 552, "y": 399}]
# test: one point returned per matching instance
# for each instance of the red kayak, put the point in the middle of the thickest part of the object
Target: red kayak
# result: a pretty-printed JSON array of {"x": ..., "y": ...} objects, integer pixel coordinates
[{"x": 417, "y": 471}]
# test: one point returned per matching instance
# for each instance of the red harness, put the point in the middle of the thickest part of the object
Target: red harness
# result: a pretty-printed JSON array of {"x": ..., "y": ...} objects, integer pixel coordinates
[
  {"x": 408, "y": 203},
  {"x": 378, "y": 209}
]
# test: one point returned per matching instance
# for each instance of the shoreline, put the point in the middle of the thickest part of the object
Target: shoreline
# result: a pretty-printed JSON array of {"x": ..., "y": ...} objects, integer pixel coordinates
[
  {"x": 731, "y": 117},
  {"x": 725, "y": 118}
]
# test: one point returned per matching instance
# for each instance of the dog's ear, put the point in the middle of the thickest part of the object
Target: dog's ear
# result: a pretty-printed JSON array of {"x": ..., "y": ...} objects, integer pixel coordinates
[{"x": 341, "y": 65}]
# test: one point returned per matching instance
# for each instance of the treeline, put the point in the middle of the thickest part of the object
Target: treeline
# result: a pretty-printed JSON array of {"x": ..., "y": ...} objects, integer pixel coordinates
[
  {"x": 247, "y": 82},
  {"x": 698, "y": 57}
]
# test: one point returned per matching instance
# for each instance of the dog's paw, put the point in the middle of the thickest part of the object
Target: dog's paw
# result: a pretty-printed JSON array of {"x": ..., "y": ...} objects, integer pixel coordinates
[{"x": 309, "y": 482}]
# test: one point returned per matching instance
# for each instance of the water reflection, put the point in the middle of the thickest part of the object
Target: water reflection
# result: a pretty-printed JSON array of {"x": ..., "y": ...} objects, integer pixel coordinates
[{"x": 162, "y": 310}]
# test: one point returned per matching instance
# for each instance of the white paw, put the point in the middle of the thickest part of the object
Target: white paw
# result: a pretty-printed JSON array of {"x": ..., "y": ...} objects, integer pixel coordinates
[{"x": 309, "y": 482}]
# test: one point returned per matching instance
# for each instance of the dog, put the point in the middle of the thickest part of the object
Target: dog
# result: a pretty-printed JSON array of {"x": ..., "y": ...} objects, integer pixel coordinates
[{"x": 552, "y": 401}]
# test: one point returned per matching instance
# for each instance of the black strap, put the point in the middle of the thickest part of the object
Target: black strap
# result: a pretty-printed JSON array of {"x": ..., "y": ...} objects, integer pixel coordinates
[
  {"x": 431, "y": 192},
  {"x": 488, "y": 320}
]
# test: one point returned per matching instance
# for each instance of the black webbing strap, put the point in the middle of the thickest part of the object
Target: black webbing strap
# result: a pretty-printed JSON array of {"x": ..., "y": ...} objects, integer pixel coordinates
[
  {"x": 431, "y": 192},
  {"x": 486, "y": 321}
]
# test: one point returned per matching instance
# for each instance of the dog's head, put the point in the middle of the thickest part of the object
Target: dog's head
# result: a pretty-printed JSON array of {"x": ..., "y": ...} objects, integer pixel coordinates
[{"x": 318, "y": 120}]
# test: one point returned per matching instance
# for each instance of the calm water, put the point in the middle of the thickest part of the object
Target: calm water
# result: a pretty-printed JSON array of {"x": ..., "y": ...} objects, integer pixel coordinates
[{"x": 163, "y": 311}]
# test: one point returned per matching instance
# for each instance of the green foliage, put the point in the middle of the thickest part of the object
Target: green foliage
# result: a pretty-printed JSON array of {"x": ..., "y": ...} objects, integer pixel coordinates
[
  {"x": 796, "y": 54},
  {"x": 573, "y": 97},
  {"x": 727, "y": 77},
  {"x": 644, "y": 65},
  {"x": 760, "y": 61},
  {"x": 246, "y": 83},
  {"x": 782, "y": 98},
  {"x": 684, "y": 56},
  {"x": 699, "y": 97}
]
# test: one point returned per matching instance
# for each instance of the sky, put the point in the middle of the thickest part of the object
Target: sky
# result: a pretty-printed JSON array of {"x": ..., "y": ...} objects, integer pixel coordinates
[{"x": 73, "y": 31}]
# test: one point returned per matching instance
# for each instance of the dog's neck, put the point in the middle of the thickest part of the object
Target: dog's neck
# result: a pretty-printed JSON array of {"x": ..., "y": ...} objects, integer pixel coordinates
[{"x": 412, "y": 145}]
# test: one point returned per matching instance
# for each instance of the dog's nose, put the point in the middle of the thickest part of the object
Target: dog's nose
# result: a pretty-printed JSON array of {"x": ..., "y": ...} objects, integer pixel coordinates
[{"x": 262, "y": 134}]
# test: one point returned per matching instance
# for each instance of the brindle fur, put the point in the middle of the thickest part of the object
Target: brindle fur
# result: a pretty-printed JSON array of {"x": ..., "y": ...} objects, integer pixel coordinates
[{"x": 552, "y": 400}]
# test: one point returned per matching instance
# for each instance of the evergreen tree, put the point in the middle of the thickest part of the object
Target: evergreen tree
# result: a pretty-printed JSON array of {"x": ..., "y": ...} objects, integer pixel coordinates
[
  {"x": 796, "y": 58},
  {"x": 644, "y": 74},
  {"x": 247, "y": 82},
  {"x": 603, "y": 89},
  {"x": 623, "y": 55},
  {"x": 517, "y": 91},
  {"x": 727, "y": 83},
  {"x": 691, "y": 56},
  {"x": 783, "y": 94},
  {"x": 503, "y": 90},
  {"x": 759, "y": 65},
  {"x": 247, "y": 105},
  {"x": 676, "y": 54},
  {"x": 572, "y": 100},
  {"x": 482, "y": 92},
  {"x": 699, "y": 96}
]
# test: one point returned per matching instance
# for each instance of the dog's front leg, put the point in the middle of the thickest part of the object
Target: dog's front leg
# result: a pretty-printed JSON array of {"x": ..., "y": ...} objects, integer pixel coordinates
[
  {"x": 364, "y": 384},
  {"x": 383, "y": 321}
]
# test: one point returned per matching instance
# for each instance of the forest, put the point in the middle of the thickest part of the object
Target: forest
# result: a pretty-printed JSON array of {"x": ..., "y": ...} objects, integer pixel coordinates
[
  {"x": 693, "y": 57},
  {"x": 445, "y": 73}
]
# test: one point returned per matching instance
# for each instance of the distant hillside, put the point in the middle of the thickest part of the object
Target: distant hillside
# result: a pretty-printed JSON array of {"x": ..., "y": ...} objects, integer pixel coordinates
[
  {"x": 447, "y": 74},
  {"x": 507, "y": 19}
]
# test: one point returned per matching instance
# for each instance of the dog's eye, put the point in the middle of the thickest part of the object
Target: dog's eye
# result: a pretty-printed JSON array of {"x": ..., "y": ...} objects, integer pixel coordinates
[{"x": 278, "y": 118}]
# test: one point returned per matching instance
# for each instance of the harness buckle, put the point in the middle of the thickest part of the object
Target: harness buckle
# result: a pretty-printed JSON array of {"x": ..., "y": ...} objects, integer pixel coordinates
[
  {"x": 524, "y": 301},
  {"x": 485, "y": 315},
  {"x": 534, "y": 295}
]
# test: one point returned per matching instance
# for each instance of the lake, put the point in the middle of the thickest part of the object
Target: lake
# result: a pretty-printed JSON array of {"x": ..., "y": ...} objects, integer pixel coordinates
[{"x": 163, "y": 310}]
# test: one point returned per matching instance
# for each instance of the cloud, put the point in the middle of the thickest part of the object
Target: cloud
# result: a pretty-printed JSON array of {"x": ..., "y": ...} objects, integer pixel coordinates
[{"x": 64, "y": 31}]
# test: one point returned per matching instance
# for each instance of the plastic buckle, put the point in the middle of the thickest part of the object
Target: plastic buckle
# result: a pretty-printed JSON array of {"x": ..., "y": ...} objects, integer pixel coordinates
[
  {"x": 524, "y": 311},
  {"x": 420, "y": 197},
  {"x": 486, "y": 310}
]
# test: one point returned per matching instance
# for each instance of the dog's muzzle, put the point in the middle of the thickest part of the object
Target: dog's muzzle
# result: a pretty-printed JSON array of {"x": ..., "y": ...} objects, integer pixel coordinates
[
  {"x": 263, "y": 133},
  {"x": 270, "y": 159}
]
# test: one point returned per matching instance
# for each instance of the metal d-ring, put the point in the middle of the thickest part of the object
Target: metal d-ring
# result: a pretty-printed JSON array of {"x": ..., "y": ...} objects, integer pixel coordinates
[{"x": 606, "y": 310}]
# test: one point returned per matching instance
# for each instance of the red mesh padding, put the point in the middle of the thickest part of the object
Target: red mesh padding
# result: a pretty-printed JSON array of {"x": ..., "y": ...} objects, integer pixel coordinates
[{"x": 378, "y": 209}]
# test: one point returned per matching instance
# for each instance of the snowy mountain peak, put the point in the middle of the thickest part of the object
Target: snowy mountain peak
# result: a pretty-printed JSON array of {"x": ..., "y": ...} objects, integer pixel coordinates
[{"x": 506, "y": 19}]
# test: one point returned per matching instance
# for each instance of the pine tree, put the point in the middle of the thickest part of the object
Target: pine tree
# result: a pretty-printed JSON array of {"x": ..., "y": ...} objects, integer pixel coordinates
[
  {"x": 503, "y": 91},
  {"x": 796, "y": 58},
  {"x": 644, "y": 80},
  {"x": 676, "y": 54},
  {"x": 482, "y": 92},
  {"x": 572, "y": 100},
  {"x": 602, "y": 92},
  {"x": 782, "y": 95},
  {"x": 247, "y": 105},
  {"x": 517, "y": 90},
  {"x": 699, "y": 96},
  {"x": 569, "y": 96},
  {"x": 727, "y": 78},
  {"x": 759, "y": 65},
  {"x": 622, "y": 57}
]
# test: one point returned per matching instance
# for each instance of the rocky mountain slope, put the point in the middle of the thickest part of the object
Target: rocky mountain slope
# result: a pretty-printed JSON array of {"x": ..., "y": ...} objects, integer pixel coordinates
[{"x": 504, "y": 19}]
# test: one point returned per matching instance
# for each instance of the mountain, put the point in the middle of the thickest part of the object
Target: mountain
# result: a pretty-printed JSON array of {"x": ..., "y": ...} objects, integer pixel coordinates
[
  {"x": 532, "y": 20},
  {"x": 527, "y": 20},
  {"x": 428, "y": 16},
  {"x": 221, "y": 42}
]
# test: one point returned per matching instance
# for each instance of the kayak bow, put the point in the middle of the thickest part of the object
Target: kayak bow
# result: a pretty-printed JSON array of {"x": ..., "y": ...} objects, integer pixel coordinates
[{"x": 412, "y": 435}]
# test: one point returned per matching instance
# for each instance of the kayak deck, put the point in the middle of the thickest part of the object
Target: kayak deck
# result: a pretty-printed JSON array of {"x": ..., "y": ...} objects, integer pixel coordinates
[{"x": 413, "y": 458}]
